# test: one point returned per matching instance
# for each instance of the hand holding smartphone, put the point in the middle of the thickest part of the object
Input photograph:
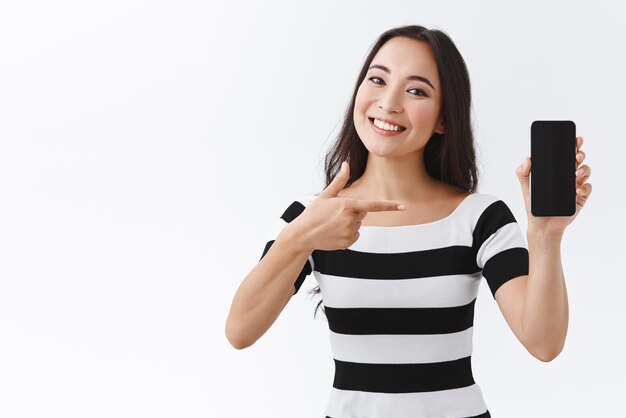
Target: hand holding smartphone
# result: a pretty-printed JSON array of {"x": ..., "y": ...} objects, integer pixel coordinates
[{"x": 552, "y": 176}]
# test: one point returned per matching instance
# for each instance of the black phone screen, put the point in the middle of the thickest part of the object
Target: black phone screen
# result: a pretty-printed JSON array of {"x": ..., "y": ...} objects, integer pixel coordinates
[{"x": 553, "y": 166}]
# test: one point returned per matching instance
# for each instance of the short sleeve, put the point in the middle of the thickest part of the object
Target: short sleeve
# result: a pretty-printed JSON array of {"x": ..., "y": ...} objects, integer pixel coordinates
[
  {"x": 291, "y": 213},
  {"x": 502, "y": 252}
]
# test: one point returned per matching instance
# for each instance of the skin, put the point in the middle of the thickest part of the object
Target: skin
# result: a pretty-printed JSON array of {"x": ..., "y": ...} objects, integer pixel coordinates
[{"x": 395, "y": 167}]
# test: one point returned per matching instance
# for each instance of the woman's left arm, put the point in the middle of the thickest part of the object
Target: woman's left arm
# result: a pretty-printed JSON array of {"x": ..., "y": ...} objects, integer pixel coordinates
[{"x": 546, "y": 313}]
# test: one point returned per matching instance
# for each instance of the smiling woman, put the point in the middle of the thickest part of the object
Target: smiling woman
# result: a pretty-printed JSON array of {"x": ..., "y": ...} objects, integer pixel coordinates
[
  {"x": 428, "y": 94},
  {"x": 399, "y": 283},
  {"x": 415, "y": 79}
]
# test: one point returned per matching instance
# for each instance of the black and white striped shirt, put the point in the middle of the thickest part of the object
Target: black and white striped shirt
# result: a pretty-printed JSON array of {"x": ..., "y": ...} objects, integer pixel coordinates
[{"x": 400, "y": 308}]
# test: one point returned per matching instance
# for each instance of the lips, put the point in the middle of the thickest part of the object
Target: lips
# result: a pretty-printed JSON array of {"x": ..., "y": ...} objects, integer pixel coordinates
[
  {"x": 402, "y": 128},
  {"x": 383, "y": 132}
]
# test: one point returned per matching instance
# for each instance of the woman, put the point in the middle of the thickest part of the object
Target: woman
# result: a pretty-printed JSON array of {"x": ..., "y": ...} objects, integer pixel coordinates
[{"x": 399, "y": 240}]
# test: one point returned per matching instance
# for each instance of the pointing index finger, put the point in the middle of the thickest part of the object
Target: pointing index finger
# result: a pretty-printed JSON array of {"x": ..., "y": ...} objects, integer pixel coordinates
[{"x": 377, "y": 205}]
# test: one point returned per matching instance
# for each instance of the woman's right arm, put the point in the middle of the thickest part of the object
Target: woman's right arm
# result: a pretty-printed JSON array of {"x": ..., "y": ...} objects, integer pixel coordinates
[
  {"x": 268, "y": 287},
  {"x": 328, "y": 223}
]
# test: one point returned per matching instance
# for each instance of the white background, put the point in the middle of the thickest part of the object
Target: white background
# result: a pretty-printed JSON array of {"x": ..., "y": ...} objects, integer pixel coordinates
[{"x": 148, "y": 146}]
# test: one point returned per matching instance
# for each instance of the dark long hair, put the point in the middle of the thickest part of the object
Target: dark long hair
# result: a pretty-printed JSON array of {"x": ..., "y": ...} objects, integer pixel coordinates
[{"x": 449, "y": 157}]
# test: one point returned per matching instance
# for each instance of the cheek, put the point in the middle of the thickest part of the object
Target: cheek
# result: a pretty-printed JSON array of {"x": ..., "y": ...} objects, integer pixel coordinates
[
  {"x": 361, "y": 104},
  {"x": 421, "y": 113},
  {"x": 362, "y": 98}
]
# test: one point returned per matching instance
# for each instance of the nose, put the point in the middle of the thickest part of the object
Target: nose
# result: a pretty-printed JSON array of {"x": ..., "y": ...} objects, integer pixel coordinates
[{"x": 390, "y": 102}]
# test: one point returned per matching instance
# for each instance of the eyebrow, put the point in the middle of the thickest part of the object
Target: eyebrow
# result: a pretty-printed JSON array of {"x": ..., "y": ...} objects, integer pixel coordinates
[{"x": 411, "y": 77}]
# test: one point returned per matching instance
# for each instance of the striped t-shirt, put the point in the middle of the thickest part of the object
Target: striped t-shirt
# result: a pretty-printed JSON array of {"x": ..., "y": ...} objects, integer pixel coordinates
[{"x": 400, "y": 308}]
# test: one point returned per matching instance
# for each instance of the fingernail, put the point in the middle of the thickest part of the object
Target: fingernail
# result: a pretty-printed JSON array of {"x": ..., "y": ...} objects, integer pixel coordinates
[
  {"x": 580, "y": 172},
  {"x": 401, "y": 207},
  {"x": 343, "y": 166}
]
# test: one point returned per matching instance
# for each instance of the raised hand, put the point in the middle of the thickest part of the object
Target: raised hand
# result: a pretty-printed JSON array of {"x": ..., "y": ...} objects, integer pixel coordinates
[
  {"x": 330, "y": 222},
  {"x": 557, "y": 224}
]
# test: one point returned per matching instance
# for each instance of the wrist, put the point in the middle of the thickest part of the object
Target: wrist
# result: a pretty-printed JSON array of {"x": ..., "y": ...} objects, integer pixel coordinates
[
  {"x": 293, "y": 236},
  {"x": 542, "y": 234}
]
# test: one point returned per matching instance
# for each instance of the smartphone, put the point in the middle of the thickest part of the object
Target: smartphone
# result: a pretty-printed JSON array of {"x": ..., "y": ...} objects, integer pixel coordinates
[{"x": 553, "y": 168}]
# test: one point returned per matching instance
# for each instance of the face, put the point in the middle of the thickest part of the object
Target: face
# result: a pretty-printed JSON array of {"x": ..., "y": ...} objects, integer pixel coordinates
[{"x": 392, "y": 94}]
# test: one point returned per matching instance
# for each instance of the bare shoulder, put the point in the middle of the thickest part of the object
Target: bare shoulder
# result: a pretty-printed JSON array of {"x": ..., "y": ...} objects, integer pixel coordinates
[
  {"x": 448, "y": 198},
  {"x": 455, "y": 194}
]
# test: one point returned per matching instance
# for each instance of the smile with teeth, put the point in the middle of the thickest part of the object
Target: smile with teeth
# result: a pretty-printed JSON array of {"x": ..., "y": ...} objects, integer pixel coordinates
[{"x": 386, "y": 126}]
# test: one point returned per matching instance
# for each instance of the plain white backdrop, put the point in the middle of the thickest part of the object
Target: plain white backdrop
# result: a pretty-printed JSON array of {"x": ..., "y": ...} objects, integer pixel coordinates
[{"x": 148, "y": 146}]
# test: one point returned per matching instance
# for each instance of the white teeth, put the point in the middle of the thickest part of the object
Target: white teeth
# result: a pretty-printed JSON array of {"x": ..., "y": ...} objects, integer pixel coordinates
[{"x": 386, "y": 126}]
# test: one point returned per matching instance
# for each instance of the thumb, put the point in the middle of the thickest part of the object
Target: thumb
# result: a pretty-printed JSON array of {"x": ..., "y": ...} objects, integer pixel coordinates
[
  {"x": 523, "y": 174},
  {"x": 338, "y": 182}
]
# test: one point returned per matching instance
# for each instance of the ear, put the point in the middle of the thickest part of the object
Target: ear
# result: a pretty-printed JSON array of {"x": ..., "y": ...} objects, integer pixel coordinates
[{"x": 440, "y": 127}]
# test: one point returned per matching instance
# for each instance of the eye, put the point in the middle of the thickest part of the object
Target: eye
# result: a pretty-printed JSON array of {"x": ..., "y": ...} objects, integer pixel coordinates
[{"x": 420, "y": 92}]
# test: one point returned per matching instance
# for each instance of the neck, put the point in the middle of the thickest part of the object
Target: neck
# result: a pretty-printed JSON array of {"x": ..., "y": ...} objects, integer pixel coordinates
[{"x": 403, "y": 178}]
